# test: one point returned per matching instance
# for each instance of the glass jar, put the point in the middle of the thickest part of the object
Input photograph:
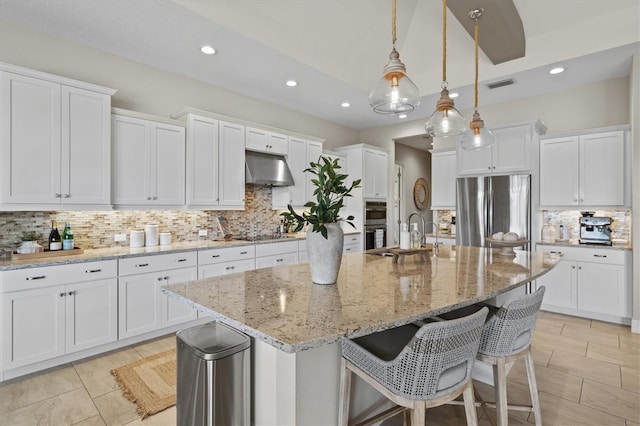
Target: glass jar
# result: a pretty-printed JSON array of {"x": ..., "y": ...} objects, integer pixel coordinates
[{"x": 548, "y": 233}]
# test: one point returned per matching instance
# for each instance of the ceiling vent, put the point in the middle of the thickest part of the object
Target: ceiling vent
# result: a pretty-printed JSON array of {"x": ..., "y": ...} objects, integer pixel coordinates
[{"x": 501, "y": 83}]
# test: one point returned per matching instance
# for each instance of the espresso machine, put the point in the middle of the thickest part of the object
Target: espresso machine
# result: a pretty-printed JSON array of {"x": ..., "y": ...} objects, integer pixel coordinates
[{"x": 594, "y": 229}]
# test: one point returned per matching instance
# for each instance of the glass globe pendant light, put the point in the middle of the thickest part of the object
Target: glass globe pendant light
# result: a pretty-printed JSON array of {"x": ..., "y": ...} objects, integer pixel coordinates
[
  {"x": 395, "y": 92},
  {"x": 477, "y": 136},
  {"x": 446, "y": 120}
]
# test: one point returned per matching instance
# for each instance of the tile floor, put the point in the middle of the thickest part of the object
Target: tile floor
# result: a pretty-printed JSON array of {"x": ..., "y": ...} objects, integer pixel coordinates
[{"x": 588, "y": 373}]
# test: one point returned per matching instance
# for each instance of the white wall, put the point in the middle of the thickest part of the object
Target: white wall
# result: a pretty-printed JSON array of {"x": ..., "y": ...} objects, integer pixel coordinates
[
  {"x": 634, "y": 108},
  {"x": 150, "y": 90}
]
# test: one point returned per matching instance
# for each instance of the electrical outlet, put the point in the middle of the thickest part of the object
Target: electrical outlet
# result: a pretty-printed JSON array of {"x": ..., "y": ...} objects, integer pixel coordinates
[
  {"x": 202, "y": 233},
  {"x": 120, "y": 237}
]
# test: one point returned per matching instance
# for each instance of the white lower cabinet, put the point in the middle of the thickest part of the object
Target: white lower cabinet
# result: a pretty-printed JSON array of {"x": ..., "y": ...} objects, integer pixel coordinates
[
  {"x": 51, "y": 311},
  {"x": 351, "y": 243},
  {"x": 275, "y": 254},
  {"x": 227, "y": 260},
  {"x": 588, "y": 282},
  {"x": 142, "y": 307}
]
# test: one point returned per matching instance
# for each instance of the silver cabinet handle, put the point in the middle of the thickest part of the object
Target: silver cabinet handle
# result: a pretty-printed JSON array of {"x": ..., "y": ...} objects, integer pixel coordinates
[
  {"x": 215, "y": 255},
  {"x": 39, "y": 277},
  {"x": 148, "y": 198},
  {"x": 58, "y": 195},
  {"x": 243, "y": 252},
  {"x": 142, "y": 265},
  {"x": 159, "y": 279},
  {"x": 67, "y": 195},
  {"x": 61, "y": 294},
  {"x": 165, "y": 278},
  {"x": 181, "y": 260},
  {"x": 556, "y": 252},
  {"x": 279, "y": 260},
  {"x": 599, "y": 255},
  {"x": 71, "y": 293},
  {"x": 92, "y": 271}
]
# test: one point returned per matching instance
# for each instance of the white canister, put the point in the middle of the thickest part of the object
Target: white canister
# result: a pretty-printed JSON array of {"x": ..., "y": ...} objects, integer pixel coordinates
[
  {"x": 150, "y": 235},
  {"x": 136, "y": 239},
  {"x": 165, "y": 238}
]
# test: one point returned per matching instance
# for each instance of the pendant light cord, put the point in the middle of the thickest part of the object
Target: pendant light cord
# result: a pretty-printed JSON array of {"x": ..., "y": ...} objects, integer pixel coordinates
[
  {"x": 475, "y": 31},
  {"x": 444, "y": 44},
  {"x": 393, "y": 24}
]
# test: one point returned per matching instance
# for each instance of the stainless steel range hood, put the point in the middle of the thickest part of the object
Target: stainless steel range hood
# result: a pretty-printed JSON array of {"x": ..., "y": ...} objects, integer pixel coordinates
[{"x": 267, "y": 169}]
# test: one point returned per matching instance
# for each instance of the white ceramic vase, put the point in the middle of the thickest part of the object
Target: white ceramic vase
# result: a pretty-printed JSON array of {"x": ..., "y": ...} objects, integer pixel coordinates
[{"x": 325, "y": 254}]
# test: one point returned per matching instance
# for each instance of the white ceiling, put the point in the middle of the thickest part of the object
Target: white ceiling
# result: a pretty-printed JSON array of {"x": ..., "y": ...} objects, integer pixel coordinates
[{"x": 336, "y": 49}]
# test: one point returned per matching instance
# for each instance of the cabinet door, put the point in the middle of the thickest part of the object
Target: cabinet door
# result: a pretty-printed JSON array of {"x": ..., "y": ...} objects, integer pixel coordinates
[
  {"x": 173, "y": 311},
  {"x": 559, "y": 172},
  {"x": 602, "y": 289},
  {"x": 91, "y": 314},
  {"x": 202, "y": 161},
  {"x": 443, "y": 180},
  {"x": 32, "y": 326},
  {"x": 511, "y": 151},
  {"x": 602, "y": 169},
  {"x": 86, "y": 147},
  {"x": 297, "y": 161},
  {"x": 257, "y": 139},
  {"x": 231, "y": 165},
  {"x": 475, "y": 161},
  {"x": 167, "y": 164},
  {"x": 278, "y": 144},
  {"x": 375, "y": 174},
  {"x": 30, "y": 140},
  {"x": 560, "y": 283},
  {"x": 132, "y": 167},
  {"x": 138, "y": 304}
]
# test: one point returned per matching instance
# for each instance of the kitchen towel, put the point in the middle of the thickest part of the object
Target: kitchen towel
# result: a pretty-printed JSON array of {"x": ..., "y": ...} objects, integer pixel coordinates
[{"x": 379, "y": 238}]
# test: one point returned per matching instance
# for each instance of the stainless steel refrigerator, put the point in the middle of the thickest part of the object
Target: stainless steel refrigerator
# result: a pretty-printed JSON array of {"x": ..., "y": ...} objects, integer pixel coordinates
[{"x": 490, "y": 204}]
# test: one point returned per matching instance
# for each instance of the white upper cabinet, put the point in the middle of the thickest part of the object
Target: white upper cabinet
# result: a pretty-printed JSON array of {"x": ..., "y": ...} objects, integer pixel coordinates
[
  {"x": 149, "y": 162},
  {"x": 301, "y": 153},
  {"x": 266, "y": 141},
  {"x": 589, "y": 170},
  {"x": 443, "y": 180},
  {"x": 55, "y": 143},
  {"x": 215, "y": 163},
  {"x": 375, "y": 173},
  {"x": 512, "y": 152}
]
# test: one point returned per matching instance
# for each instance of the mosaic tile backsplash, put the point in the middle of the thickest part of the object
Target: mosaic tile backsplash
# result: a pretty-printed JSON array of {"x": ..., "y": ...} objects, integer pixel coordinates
[
  {"x": 620, "y": 227},
  {"x": 96, "y": 229}
]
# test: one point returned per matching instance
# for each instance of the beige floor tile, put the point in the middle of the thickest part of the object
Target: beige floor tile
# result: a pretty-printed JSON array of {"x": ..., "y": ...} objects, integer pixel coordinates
[
  {"x": 591, "y": 335},
  {"x": 516, "y": 394},
  {"x": 630, "y": 379},
  {"x": 156, "y": 346},
  {"x": 93, "y": 421},
  {"x": 611, "y": 400},
  {"x": 163, "y": 418},
  {"x": 613, "y": 355},
  {"x": 550, "y": 326},
  {"x": 599, "y": 371},
  {"x": 115, "y": 409},
  {"x": 95, "y": 372},
  {"x": 64, "y": 409},
  {"x": 567, "y": 319},
  {"x": 545, "y": 342},
  {"x": 561, "y": 412},
  {"x": 632, "y": 423},
  {"x": 34, "y": 388},
  {"x": 630, "y": 345},
  {"x": 608, "y": 326},
  {"x": 552, "y": 380},
  {"x": 541, "y": 356}
]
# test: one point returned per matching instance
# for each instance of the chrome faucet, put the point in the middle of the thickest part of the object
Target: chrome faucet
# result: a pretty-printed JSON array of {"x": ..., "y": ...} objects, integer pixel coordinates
[
  {"x": 423, "y": 239},
  {"x": 436, "y": 244}
]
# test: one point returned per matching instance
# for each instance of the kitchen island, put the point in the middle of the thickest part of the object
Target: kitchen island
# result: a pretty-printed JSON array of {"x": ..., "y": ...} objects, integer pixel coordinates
[{"x": 296, "y": 326}]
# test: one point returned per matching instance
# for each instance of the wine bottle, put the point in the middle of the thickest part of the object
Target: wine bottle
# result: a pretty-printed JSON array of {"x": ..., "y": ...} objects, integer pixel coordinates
[
  {"x": 67, "y": 237},
  {"x": 55, "y": 242}
]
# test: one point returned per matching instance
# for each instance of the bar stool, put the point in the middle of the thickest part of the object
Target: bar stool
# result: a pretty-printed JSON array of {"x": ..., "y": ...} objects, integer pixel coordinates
[
  {"x": 506, "y": 337},
  {"x": 415, "y": 367}
]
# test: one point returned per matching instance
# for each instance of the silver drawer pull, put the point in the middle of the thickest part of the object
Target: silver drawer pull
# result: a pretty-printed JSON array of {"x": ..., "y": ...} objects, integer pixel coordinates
[
  {"x": 71, "y": 293},
  {"x": 599, "y": 255},
  {"x": 142, "y": 265},
  {"x": 61, "y": 294},
  {"x": 92, "y": 271},
  {"x": 244, "y": 252},
  {"x": 181, "y": 260},
  {"x": 159, "y": 279},
  {"x": 556, "y": 252},
  {"x": 39, "y": 277},
  {"x": 215, "y": 255}
]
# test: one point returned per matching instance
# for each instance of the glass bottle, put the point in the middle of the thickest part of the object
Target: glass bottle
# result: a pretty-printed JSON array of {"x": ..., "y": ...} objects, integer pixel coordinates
[
  {"x": 55, "y": 242},
  {"x": 415, "y": 237},
  {"x": 67, "y": 237}
]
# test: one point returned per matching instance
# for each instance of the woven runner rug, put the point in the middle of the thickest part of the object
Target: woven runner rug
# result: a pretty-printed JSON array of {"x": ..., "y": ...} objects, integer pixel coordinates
[{"x": 150, "y": 382}]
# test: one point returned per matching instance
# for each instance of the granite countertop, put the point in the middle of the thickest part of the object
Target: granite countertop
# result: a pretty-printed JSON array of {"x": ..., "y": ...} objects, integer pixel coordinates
[
  {"x": 281, "y": 306},
  {"x": 576, "y": 243}
]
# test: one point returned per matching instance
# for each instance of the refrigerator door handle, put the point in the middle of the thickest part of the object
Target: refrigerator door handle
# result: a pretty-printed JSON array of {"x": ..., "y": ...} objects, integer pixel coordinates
[{"x": 488, "y": 199}]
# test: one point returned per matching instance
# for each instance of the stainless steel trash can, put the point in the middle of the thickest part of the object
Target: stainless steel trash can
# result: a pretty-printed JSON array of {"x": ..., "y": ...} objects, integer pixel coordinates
[{"x": 213, "y": 384}]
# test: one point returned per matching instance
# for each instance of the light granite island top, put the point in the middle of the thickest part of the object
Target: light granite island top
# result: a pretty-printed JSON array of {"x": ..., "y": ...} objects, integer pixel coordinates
[{"x": 296, "y": 326}]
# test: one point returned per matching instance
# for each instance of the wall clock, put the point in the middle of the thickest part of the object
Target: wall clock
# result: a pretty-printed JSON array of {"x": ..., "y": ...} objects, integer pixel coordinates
[{"x": 421, "y": 194}]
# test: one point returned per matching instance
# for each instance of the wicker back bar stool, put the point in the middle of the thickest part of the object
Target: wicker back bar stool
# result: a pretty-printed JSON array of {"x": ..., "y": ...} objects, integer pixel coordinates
[
  {"x": 506, "y": 337},
  {"x": 416, "y": 367}
]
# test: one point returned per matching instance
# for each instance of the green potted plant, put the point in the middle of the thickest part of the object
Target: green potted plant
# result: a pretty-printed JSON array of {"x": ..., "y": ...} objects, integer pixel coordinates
[
  {"x": 29, "y": 242},
  {"x": 324, "y": 235}
]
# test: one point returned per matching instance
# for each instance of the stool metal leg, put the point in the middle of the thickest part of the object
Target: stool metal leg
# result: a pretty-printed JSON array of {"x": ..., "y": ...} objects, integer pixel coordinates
[
  {"x": 345, "y": 393},
  {"x": 500, "y": 389},
  {"x": 533, "y": 387}
]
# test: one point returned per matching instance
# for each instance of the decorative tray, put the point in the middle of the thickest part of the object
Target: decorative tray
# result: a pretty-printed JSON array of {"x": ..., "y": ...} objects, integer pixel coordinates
[
  {"x": 506, "y": 247},
  {"x": 47, "y": 253}
]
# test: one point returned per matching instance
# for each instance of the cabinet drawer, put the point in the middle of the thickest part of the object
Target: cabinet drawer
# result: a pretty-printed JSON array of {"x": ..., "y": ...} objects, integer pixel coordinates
[
  {"x": 227, "y": 254},
  {"x": 580, "y": 254},
  {"x": 270, "y": 249},
  {"x": 352, "y": 239},
  {"x": 38, "y": 277},
  {"x": 160, "y": 262},
  {"x": 350, "y": 248}
]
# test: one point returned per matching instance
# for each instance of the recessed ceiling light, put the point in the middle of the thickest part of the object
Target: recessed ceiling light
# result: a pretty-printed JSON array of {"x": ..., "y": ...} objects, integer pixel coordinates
[
  {"x": 454, "y": 95},
  {"x": 345, "y": 105},
  {"x": 291, "y": 83},
  {"x": 402, "y": 116},
  {"x": 556, "y": 70},
  {"x": 208, "y": 50}
]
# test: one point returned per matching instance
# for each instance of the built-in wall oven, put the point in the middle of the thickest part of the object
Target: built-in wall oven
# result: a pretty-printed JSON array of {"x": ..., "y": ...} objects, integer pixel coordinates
[{"x": 375, "y": 224}]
